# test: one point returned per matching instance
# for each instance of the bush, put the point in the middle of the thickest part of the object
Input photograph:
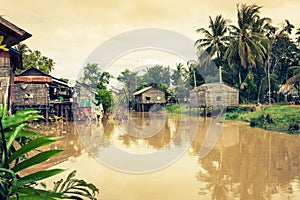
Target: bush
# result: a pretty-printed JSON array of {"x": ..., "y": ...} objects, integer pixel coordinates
[
  {"x": 18, "y": 139},
  {"x": 293, "y": 127}
]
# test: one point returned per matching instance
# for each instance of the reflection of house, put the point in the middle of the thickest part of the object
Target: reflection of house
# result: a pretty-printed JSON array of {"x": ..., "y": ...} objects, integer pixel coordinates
[
  {"x": 149, "y": 96},
  {"x": 214, "y": 95},
  {"x": 229, "y": 137},
  {"x": 9, "y": 60},
  {"x": 35, "y": 89}
]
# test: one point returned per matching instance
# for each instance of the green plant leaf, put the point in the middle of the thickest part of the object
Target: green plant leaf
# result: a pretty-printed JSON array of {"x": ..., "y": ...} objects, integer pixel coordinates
[
  {"x": 13, "y": 136},
  {"x": 8, "y": 182},
  {"x": 39, "y": 193},
  {"x": 23, "y": 133},
  {"x": 20, "y": 117},
  {"x": 31, "y": 146},
  {"x": 70, "y": 176},
  {"x": 38, "y": 176},
  {"x": 41, "y": 157},
  {"x": 35, "y": 197},
  {"x": 72, "y": 187}
]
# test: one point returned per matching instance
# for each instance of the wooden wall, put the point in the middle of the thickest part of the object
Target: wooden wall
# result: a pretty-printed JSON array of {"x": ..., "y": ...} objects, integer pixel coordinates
[
  {"x": 34, "y": 94},
  {"x": 214, "y": 94},
  {"x": 152, "y": 96}
]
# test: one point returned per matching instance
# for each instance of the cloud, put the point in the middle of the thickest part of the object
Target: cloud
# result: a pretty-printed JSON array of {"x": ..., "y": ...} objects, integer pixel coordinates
[{"x": 68, "y": 30}]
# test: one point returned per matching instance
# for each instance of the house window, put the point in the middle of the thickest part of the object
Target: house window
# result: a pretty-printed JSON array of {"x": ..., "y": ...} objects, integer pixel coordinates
[
  {"x": 148, "y": 98},
  {"x": 219, "y": 98}
]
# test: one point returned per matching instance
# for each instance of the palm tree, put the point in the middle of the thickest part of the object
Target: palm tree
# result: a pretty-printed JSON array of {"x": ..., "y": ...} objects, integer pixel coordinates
[
  {"x": 247, "y": 45},
  {"x": 287, "y": 28},
  {"x": 215, "y": 39},
  {"x": 298, "y": 34},
  {"x": 191, "y": 72}
]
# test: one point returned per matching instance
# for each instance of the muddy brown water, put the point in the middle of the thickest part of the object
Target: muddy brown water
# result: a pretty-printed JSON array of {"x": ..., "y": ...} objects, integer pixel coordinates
[{"x": 246, "y": 163}]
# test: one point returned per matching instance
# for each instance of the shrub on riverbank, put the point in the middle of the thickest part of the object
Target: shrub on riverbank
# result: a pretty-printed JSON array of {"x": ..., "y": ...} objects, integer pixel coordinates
[
  {"x": 282, "y": 118},
  {"x": 276, "y": 118}
]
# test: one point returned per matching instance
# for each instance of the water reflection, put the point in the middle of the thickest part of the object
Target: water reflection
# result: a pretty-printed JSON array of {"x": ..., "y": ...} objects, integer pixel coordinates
[
  {"x": 259, "y": 165},
  {"x": 246, "y": 163}
]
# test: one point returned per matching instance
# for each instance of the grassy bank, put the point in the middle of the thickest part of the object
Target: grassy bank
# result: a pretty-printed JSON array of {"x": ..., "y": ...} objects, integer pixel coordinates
[{"x": 281, "y": 118}]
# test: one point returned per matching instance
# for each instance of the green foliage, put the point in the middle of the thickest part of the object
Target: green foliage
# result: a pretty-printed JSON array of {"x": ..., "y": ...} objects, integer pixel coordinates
[
  {"x": 158, "y": 75},
  {"x": 74, "y": 188},
  {"x": 17, "y": 141},
  {"x": 99, "y": 80},
  {"x": 293, "y": 127},
  {"x": 105, "y": 97},
  {"x": 262, "y": 121},
  {"x": 251, "y": 47},
  {"x": 130, "y": 81},
  {"x": 93, "y": 75},
  {"x": 34, "y": 58},
  {"x": 277, "y": 118}
]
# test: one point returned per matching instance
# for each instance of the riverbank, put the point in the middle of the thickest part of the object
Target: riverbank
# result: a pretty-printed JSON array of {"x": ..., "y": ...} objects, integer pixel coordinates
[{"x": 280, "y": 118}]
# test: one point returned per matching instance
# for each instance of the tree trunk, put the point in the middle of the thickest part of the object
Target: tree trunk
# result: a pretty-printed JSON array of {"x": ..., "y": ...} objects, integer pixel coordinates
[
  {"x": 259, "y": 91},
  {"x": 195, "y": 83}
]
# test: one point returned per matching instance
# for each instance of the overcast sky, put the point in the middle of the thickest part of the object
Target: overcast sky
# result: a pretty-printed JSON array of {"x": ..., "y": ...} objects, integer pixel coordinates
[{"x": 69, "y": 30}]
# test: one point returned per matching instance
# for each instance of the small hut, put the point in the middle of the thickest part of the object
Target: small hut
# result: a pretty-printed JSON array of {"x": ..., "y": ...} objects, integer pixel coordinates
[
  {"x": 149, "y": 96},
  {"x": 35, "y": 89},
  {"x": 214, "y": 95}
]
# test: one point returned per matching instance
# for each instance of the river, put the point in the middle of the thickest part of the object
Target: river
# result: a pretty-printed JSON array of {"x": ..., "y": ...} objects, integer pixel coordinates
[{"x": 245, "y": 163}]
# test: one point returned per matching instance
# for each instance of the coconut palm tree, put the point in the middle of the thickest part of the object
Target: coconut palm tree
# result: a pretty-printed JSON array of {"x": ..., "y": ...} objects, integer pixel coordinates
[
  {"x": 246, "y": 44},
  {"x": 298, "y": 35},
  {"x": 215, "y": 37},
  {"x": 191, "y": 72},
  {"x": 287, "y": 28}
]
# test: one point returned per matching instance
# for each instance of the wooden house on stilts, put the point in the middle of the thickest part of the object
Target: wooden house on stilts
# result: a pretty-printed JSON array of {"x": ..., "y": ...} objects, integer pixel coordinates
[
  {"x": 51, "y": 96},
  {"x": 214, "y": 95},
  {"x": 149, "y": 96}
]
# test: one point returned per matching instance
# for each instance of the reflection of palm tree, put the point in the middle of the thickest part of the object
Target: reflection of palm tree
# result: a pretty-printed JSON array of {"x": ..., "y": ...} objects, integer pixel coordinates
[{"x": 217, "y": 179}]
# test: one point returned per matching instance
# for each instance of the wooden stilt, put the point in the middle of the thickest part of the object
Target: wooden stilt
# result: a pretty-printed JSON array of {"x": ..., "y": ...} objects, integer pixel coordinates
[
  {"x": 66, "y": 113},
  {"x": 47, "y": 115}
]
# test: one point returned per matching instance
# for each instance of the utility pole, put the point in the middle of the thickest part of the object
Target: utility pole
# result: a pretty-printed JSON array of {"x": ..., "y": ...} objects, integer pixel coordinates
[
  {"x": 269, "y": 85},
  {"x": 220, "y": 74}
]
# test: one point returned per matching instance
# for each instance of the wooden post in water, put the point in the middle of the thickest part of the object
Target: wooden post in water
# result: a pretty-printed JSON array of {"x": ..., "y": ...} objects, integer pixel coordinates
[
  {"x": 66, "y": 112},
  {"x": 47, "y": 114}
]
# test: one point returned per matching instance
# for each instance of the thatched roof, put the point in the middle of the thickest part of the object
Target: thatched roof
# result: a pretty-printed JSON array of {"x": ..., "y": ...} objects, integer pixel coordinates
[
  {"x": 288, "y": 89},
  {"x": 209, "y": 86}
]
